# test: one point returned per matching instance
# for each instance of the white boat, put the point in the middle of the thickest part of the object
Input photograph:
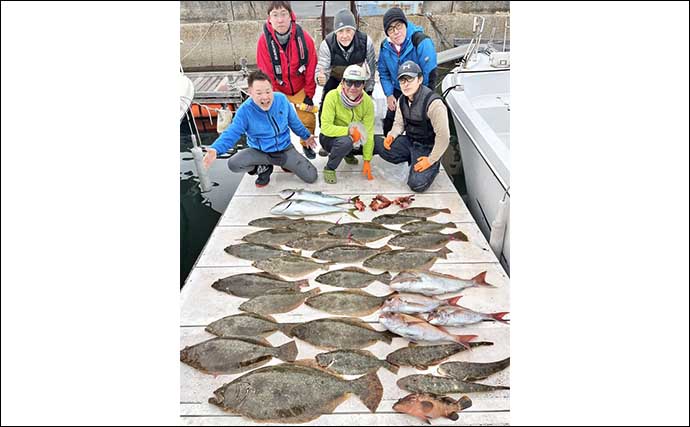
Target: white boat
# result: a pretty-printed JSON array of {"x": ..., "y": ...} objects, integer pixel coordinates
[
  {"x": 186, "y": 89},
  {"x": 479, "y": 100}
]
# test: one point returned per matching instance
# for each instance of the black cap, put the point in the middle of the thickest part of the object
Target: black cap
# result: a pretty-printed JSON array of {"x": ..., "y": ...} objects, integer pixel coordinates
[
  {"x": 409, "y": 68},
  {"x": 392, "y": 15}
]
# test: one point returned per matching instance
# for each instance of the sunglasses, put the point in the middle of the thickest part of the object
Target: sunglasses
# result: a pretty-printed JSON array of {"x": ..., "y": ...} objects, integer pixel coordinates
[
  {"x": 405, "y": 80},
  {"x": 355, "y": 83}
]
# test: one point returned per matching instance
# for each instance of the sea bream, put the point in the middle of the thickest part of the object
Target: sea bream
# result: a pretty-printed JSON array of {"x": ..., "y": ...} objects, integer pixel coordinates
[
  {"x": 312, "y": 196},
  {"x": 415, "y": 303},
  {"x": 416, "y": 329},
  {"x": 305, "y": 207},
  {"x": 433, "y": 283},
  {"x": 293, "y": 393}
]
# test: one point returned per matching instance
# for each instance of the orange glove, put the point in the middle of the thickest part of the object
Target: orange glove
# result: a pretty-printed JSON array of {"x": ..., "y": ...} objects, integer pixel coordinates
[
  {"x": 354, "y": 133},
  {"x": 422, "y": 164},
  {"x": 366, "y": 170},
  {"x": 388, "y": 142}
]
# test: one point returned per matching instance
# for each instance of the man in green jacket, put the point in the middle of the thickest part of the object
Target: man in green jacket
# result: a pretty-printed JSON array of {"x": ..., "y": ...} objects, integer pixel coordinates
[{"x": 347, "y": 122}]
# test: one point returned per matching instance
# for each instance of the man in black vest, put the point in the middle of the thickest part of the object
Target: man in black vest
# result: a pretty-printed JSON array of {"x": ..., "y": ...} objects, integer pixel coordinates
[
  {"x": 422, "y": 115},
  {"x": 345, "y": 46}
]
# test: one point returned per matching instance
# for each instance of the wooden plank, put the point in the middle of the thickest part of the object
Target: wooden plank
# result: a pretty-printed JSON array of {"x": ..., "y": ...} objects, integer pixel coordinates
[
  {"x": 237, "y": 213},
  {"x": 201, "y": 304},
  {"x": 466, "y": 418}
]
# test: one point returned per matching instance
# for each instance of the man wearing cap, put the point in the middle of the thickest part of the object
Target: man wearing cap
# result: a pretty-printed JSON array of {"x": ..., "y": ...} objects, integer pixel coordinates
[
  {"x": 346, "y": 45},
  {"x": 286, "y": 53},
  {"x": 423, "y": 116},
  {"x": 405, "y": 42},
  {"x": 347, "y": 122}
]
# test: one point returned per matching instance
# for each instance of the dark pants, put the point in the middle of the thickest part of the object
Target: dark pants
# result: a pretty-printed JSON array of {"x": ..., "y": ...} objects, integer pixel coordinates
[
  {"x": 337, "y": 147},
  {"x": 390, "y": 115},
  {"x": 245, "y": 160},
  {"x": 404, "y": 149}
]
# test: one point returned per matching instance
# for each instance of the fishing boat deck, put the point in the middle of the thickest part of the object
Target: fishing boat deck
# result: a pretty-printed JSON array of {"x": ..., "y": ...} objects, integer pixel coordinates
[{"x": 201, "y": 305}]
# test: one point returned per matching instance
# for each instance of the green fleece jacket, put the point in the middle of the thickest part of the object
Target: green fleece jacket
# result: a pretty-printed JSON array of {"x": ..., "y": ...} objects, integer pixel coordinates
[{"x": 336, "y": 119}]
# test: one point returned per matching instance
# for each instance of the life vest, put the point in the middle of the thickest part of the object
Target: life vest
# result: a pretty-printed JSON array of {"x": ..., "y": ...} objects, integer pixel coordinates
[
  {"x": 357, "y": 56},
  {"x": 417, "y": 124},
  {"x": 274, "y": 52}
]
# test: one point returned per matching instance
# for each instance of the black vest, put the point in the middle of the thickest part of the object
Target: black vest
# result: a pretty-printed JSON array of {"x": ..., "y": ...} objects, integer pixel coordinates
[
  {"x": 417, "y": 124},
  {"x": 338, "y": 61}
]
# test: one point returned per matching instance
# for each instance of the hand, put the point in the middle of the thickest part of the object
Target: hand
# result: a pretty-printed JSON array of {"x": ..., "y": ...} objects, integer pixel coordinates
[
  {"x": 308, "y": 101},
  {"x": 354, "y": 134},
  {"x": 390, "y": 99},
  {"x": 209, "y": 157},
  {"x": 366, "y": 170},
  {"x": 311, "y": 142},
  {"x": 321, "y": 78},
  {"x": 388, "y": 142},
  {"x": 423, "y": 163}
]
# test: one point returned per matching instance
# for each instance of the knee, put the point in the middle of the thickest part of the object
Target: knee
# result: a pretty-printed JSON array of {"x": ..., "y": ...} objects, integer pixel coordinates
[
  {"x": 233, "y": 166},
  {"x": 311, "y": 175},
  {"x": 419, "y": 185}
]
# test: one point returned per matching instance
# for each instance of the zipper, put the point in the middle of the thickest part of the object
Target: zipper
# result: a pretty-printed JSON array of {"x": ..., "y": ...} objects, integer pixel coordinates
[
  {"x": 275, "y": 129},
  {"x": 287, "y": 55}
]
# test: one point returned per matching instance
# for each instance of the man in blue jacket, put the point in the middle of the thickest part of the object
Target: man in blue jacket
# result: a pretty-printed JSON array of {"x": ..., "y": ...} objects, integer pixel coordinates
[
  {"x": 405, "y": 42},
  {"x": 266, "y": 118}
]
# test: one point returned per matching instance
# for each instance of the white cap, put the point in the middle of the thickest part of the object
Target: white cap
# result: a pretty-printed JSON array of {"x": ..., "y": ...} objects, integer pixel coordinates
[{"x": 356, "y": 72}]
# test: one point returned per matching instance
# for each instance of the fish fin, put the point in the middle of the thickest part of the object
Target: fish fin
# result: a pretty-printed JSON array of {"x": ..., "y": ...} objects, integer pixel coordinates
[
  {"x": 427, "y": 406},
  {"x": 391, "y": 367},
  {"x": 459, "y": 236},
  {"x": 454, "y": 300},
  {"x": 286, "y": 328},
  {"x": 413, "y": 344},
  {"x": 385, "y": 248},
  {"x": 312, "y": 292},
  {"x": 453, "y": 416},
  {"x": 310, "y": 363},
  {"x": 421, "y": 367},
  {"x": 463, "y": 403},
  {"x": 479, "y": 280},
  {"x": 450, "y": 225},
  {"x": 351, "y": 212},
  {"x": 384, "y": 278},
  {"x": 461, "y": 339},
  {"x": 427, "y": 420},
  {"x": 287, "y": 352},
  {"x": 499, "y": 317},
  {"x": 411, "y": 319},
  {"x": 388, "y": 336},
  {"x": 369, "y": 390},
  {"x": 441, "y": 253},
  {"x": 304, "y": 283},
  {"x": 445, "y": 210}
]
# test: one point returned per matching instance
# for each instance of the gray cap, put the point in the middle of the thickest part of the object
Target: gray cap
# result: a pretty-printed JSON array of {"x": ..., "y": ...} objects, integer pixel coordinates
[
  {"x": 344, "y": 19},
  {"x": 409, "y": 68}
]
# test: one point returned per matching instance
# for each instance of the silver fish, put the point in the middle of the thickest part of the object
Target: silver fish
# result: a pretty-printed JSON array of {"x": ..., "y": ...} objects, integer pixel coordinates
[
  {"x": 305, "y": 207},
  {"x": 416, "y": 329},
  {"x": 433, "y": 283},
  {"x": 312, "y": 196},
  {"x": 461, "y": 316},
  {"x": 415, "y": 303}
]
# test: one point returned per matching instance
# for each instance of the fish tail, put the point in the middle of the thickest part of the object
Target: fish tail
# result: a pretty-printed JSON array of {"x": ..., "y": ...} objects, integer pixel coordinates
[
  {"x": 479, "y": 280},
  {"x": 464, "y": 340},
  {"x": 463, "y": 403},
  {"x": 351, "y": 212},
  {"x": 454, "y": 300},
  {"x": 302, "y": 283},
  {"x": 385, "y": 248},
  {"x": 312, "y": 292},
  {"x": 459, "y": 236},
  {"x": 450, "y": 225},
  {"x": 369, "y": 390},
  {"x": 441, "y": 253},
  {"x": 287, "y": 328},
  {"x": 499, "y": 316},
  {"x": 391, "y": 367},
  {"x": 445, "y": 210},
  {"x": 287, "y": 352},
  {"x": 387, "y": 336},
  {"x": 384, "y": 277}
]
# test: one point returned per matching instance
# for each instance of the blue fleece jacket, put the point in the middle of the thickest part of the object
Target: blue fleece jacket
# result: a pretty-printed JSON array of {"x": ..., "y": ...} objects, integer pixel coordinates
[
  {"x": 267, "y": 131},
  {"x": 389, "y": 60}
]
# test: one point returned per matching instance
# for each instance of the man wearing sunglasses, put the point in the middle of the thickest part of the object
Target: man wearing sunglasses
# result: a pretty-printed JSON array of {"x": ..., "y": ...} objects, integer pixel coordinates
[
  {"x": 404, "y": 42},
  {"x": 347, "y": 122},
  {"x": 423, "y": 116}
]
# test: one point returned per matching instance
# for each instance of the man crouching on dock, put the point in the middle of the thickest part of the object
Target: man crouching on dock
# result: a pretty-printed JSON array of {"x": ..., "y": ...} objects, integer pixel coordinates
[{"x": 266, "y": 118}]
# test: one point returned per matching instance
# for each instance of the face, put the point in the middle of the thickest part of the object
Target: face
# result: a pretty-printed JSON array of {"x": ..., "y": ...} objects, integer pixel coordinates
[
  {"x": 280, "y": 19},
  {"x": 353, "y": 88},
  {"x": 397, "y": 32},
  {"x": 409, "y": 85},
  {"x": 345, "y": 36},
  {"x": 261, "y": 92}
]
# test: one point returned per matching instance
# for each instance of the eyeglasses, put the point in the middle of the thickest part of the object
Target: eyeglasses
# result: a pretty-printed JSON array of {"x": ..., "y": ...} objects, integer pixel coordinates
[
  {"x": 396, "y": 27},
  {"x": 405, "y": 80},
  {"x": 355, "y": 83},
  {"x": 276, "y": 15}
]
